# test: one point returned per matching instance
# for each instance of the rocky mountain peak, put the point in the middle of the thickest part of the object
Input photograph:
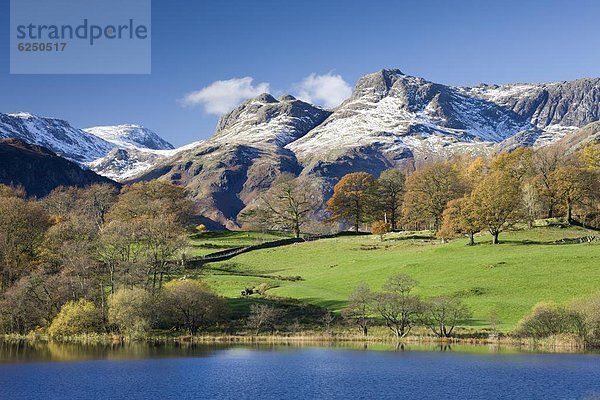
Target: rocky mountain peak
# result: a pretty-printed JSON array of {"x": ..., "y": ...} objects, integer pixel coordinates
[
  {"x": 55, "y": 134},
  {"x": 287, "y": 97},
  {"x": 264, "y": 119}
]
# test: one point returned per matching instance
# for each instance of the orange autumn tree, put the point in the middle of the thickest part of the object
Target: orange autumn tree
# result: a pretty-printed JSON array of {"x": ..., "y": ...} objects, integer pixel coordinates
[
  {"x": 459, "y": 219},
  {"x": 349, "y": 202},
  {"x": 428, "y": 191}
]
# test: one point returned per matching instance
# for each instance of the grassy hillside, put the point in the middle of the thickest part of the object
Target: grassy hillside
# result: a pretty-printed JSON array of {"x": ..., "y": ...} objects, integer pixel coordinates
[
  {"x": 507, "y": 279},
  {"x": 212, "y": 242}
]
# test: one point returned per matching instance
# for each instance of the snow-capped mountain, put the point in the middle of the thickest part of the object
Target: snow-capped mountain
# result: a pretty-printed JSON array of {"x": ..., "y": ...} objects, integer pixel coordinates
[
  {"x": 121, "y": 164},
  {"x": 391, "y": 117},
  {"x": 130, "y": 137},
  {"x": 265, "y": 120},
  {"x": 548, "y": 105},
  {"x": 117, "y": 152},
  {"x": 54, "y": 134},
  {"x": 245, "y": 155},
  {"x": 390, "y": 120}
]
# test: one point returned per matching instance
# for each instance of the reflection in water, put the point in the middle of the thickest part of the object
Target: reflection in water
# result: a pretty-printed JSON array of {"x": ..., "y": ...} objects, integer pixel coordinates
[
  {"x": 290, "y": 371},
  {"x": 31, "y": 351},
  {"x": 24, "y": 351}
]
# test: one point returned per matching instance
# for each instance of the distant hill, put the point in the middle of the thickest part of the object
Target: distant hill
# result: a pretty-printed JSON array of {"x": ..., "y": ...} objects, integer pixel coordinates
[{"x": 39, "y": 171}]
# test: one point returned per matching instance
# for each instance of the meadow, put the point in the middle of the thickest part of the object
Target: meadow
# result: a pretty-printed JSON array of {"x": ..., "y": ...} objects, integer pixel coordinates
[{"x": 499, "y": 282}]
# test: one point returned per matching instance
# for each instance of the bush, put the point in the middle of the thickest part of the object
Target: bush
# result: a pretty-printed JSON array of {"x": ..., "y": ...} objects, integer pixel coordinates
[
  {"x": 131, "y": 311},
  {"x": 590, "y": 312},
  {"x": 75, "y": 318},
  {"x": 549, "y": 319},
  {"x": 380, "y": 228},
  {"x": 191, "y": 305}
]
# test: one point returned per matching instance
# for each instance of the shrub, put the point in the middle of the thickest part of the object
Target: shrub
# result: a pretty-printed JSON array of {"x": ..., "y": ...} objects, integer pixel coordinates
[
  {"x": 131, "y": 311},
  {"x": 191, "y": 305},
  {"x": 549, "y": 319},
  {"x": 75, "y": 318},
  {"x": 589, "y": 309}
]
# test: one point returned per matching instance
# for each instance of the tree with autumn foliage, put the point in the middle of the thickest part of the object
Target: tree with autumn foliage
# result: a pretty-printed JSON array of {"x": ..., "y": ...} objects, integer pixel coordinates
[
  {"x": 574, "y": 186},
  {"x": 545, "y": 161},
  {"x": 380, "y": 228},
  {"x": 428, "y": 191},
  {"x": 387, "y": 193},
  {"x": 496, "y": 202},
  {"x": 350, "y": 200},
  {"x": 459, "y": 218}
]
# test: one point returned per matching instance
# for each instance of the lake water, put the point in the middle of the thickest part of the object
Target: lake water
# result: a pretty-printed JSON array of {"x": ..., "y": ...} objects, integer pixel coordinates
[{"x": 55, "y": 371}]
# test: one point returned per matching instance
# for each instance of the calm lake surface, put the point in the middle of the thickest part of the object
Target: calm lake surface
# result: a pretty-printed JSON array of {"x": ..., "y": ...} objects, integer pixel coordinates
[{"x": 58, "y": 371}]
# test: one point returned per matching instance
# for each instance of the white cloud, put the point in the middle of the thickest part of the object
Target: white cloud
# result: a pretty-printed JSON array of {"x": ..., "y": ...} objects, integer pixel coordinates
[
  {"x": 327, "y": 90},
  {"x": 222, "y": 96}
]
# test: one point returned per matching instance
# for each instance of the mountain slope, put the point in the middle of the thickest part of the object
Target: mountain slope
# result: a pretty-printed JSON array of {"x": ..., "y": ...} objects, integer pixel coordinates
[
  {"x": 54, "y": 134},
  {"x": 130, "y": 137},
  {"x": 392, "y": 118},
  {"x": 245, "y": 155},
  {"x": 39, "y": 170},
  {"x": 589, "y": 134},
  {"x": 122, "y": 164},
  {"x": 567, "y": 104}
]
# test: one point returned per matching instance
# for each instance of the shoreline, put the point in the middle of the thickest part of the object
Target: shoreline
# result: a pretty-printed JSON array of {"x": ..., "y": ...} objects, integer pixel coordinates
[{"x": 559, "y": 345}]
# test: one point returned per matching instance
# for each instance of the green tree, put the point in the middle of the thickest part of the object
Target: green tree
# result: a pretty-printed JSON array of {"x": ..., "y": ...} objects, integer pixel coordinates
[{"x": 75, "y": 318}]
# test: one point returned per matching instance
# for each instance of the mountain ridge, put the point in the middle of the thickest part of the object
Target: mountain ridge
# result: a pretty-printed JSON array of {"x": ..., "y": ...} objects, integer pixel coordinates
[{"x": 391, "y": 120}]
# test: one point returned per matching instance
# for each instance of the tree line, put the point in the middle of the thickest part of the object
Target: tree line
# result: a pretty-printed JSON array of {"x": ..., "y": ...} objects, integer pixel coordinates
[
  {"x": 461, "y": 196},
  {"x": 401, "y": 309},
  {"x": 80, "y": 248}
]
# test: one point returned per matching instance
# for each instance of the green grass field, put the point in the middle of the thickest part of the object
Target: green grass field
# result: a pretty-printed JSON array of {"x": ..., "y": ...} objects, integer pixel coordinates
[
  {"x": 212, "y": 242},
  {"x": 506, "y": 279}
]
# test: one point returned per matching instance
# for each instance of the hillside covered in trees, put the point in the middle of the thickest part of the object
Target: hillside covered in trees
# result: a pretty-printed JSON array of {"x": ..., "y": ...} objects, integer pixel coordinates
[{"x": 106, "y": 260}]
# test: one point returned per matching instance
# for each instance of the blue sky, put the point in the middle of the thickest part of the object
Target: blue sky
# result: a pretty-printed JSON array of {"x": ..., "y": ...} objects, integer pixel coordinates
[{"x": 278, "y": 44}]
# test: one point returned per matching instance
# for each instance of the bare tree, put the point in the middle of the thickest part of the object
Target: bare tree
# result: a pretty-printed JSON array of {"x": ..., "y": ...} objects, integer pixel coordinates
[
  {"x": 443, "y": 313},
  {"x": 262, "y": 317},
  {"x": 400, "y": 310},
  {"x": 360, "y": 307},
  {"x": 289, "y": 203}
]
